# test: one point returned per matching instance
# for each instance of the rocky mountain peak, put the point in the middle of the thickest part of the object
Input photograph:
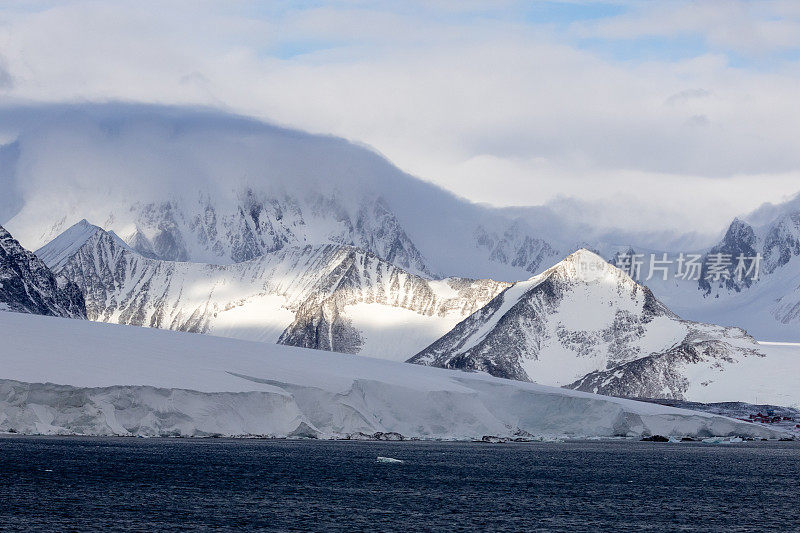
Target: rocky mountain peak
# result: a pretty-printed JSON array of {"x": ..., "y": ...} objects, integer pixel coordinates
[
  {"x": 28, "y": 286},
  {"x": 740, "y": 234},
  {"x": 580, "y": 316},
  {"x": 782, "y": 241},
  {"x": 586, "y": 266},
  {"x": 60, "y": 250},
  {"x": 739, "y": 241}
]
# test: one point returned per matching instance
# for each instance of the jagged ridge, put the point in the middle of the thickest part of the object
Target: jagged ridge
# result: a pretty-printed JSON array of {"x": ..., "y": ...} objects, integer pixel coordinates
[{"x": 330, "y": 297}]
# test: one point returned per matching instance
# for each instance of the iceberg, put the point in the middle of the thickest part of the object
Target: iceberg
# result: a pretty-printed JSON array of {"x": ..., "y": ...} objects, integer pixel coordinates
[{"x": 390, "y": 460}]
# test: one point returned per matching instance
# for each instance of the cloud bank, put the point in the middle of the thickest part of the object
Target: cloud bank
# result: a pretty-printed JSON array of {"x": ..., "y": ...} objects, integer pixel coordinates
[{"x": 674, "y": 115}]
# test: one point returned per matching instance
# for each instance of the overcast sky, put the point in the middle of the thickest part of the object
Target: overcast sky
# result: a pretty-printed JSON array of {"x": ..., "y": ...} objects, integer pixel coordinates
[{"x": 664, "y": 114}]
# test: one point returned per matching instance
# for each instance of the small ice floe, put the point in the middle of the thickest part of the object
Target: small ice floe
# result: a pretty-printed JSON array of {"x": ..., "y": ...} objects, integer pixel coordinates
[
  {"x": 722, "y": 440},
  {"x": 391, "y": 460}
]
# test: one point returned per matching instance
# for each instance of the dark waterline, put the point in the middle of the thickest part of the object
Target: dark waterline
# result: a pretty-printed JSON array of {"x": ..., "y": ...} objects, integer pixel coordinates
[{"x": 75, "y": 483}]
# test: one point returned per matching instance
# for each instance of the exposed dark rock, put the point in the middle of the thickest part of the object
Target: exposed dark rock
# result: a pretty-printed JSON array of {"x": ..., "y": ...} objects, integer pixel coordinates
[
  {"x": 391, "y": 435},
  {"x": 659, "y": 375},
  {"x": 739, "y": 240},
  {"x": 28, "y": 286}
]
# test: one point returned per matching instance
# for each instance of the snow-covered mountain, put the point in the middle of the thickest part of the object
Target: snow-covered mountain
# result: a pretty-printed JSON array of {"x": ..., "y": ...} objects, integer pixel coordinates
[
  {"x": 586, "y": 324},
  {"x": 768, "y": 306},
  {"x": 78, "y": 377},
  {"x": 203, "y": 186},
  {"x": 329, "y": 297},
  {"x": 207, "y": 187},
  {"x": 28, "y": 286}
]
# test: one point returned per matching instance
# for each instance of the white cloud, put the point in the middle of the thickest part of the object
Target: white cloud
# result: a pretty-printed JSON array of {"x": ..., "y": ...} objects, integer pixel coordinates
[
  {"x": 490, "y": 107},
  {"x": 745, "y": 26}
]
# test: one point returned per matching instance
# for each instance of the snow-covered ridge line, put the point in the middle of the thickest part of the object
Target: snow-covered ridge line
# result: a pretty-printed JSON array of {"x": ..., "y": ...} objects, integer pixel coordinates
[
  {"x": 60, "y": 250},
  {"x": 119, "y": 380}
]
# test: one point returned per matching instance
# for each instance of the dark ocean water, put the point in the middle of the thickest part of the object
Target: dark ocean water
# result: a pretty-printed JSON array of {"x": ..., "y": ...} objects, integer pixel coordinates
[{"x": 183, "y": 484}]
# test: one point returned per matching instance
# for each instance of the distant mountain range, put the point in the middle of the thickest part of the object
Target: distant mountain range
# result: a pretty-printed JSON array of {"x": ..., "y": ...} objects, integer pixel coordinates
[
  {"x": 201, "y": 186},
  {"x": 582, "y": 324}
]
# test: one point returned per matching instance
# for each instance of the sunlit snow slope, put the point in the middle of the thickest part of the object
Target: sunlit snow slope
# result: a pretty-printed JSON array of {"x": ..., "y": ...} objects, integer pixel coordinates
[{"x": 329, "y": 297}]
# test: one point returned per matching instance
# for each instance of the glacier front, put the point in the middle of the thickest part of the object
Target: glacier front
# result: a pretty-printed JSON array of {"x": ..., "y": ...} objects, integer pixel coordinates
[{"x": 122, "y": 380}]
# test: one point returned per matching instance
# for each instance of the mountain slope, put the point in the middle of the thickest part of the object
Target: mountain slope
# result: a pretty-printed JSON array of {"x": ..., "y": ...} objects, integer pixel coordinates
[
  {"x": 117, "y": 380},
  {"x": 28, "y": 286},
  {"x": 328, "y": 297},
  {"x": 585, "y": 324}
]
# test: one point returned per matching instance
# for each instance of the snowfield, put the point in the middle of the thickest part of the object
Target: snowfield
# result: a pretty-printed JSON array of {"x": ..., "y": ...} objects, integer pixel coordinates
[
  {"x": 60, "y": 376},
  {"x": 772, "y": 379}
]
